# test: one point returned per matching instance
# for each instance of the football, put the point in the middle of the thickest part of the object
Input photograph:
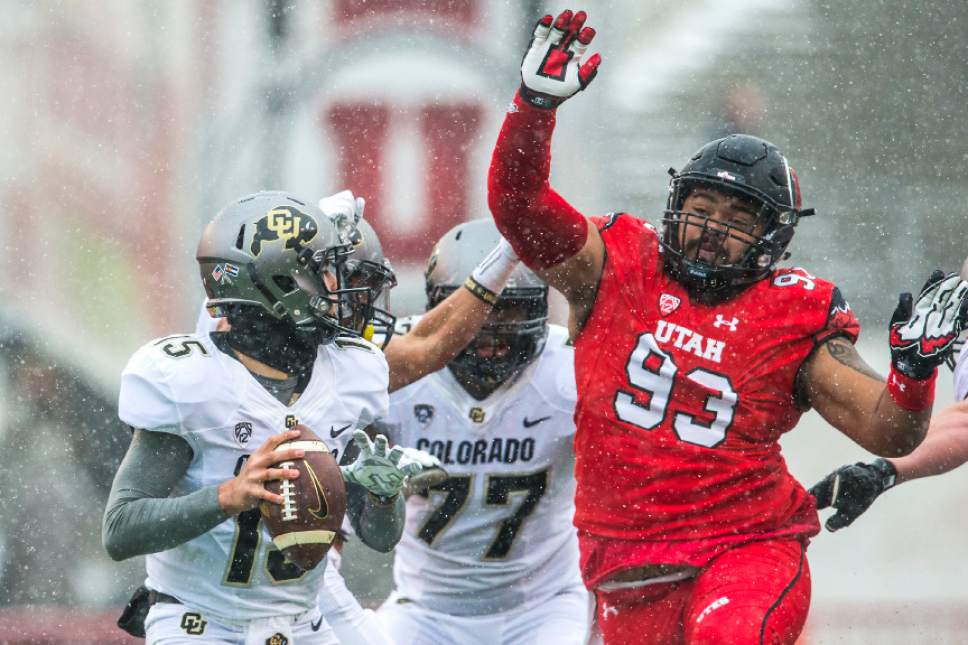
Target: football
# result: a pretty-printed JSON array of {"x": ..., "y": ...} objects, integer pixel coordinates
[{"x": 305, "y": 525}]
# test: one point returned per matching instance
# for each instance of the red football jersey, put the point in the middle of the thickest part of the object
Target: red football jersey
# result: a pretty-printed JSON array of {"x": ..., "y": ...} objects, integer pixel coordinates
[{"x": 680, "y": 406}]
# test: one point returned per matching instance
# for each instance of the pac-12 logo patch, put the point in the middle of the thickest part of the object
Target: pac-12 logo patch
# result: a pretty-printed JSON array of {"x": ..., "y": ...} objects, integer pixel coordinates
[
  {"x": 423, "y": 413},
  {"x": 668, "y": 303},
  {"x": 243, "y": 430},
  {"x": 285, "y": 224}
]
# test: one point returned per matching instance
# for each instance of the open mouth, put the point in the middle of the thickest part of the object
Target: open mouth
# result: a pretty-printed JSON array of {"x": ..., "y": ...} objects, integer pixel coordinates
[
  {"x": 708, "y": 255},
  {"x": 709, "y": 249}
]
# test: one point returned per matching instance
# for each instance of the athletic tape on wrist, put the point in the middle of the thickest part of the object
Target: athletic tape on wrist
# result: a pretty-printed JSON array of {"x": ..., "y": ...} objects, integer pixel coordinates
[
  {"x": 911, "y": 394},
  {"x": 496, "y": 268}
]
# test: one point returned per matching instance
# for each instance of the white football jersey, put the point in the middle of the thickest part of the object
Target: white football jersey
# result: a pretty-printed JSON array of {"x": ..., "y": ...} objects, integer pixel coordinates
[
  {"x": 961, "y": 375},
  {"x": 499, "y": 532},
  {"x": 186, "y": 385}
]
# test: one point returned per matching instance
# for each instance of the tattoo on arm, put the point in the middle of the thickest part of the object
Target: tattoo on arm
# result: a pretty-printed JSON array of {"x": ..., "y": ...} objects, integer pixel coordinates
[{"x": 845, "y": 354}]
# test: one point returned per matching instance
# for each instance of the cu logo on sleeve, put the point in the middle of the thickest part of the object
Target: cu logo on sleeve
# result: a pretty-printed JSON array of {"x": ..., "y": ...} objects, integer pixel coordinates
[{"x": 193, "y": 624}]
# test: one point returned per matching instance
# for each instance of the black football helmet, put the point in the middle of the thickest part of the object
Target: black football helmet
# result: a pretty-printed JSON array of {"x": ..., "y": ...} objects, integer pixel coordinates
[
  {"x": 501, "y": 349},
  {"x": 754, "y": 170}
]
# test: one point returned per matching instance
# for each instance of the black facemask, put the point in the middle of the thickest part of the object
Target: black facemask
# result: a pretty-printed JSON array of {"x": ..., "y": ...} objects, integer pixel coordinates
[{"x": 277, "y": 343}]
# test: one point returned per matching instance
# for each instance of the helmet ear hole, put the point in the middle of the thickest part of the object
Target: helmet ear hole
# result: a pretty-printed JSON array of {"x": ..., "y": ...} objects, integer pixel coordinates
[{"x": 285, "y": 283}]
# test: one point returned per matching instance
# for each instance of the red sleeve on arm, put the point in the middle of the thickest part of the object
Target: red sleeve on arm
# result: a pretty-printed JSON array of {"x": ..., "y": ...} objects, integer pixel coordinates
[
  {"x": 841, "y": 321},
  {"x": 542, "y": 227}
]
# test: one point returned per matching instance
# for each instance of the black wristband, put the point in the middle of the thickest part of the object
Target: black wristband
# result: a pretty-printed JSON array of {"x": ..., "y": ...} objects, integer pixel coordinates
[
  {"x": 539, "y": 100},
  {"x": 480, "y": 291}
]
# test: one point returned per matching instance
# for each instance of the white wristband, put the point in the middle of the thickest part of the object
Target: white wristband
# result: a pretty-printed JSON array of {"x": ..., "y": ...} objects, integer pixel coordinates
[{"x": 495, "y": 270}]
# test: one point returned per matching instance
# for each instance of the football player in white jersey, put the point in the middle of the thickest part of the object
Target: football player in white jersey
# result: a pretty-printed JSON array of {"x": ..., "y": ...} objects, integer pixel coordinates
[
  {"x": 425, "y": 348},
  {"x": 209, "y": 411},
  {"x": 490, "y": 555},
  {"x": 851, "y": 489}
]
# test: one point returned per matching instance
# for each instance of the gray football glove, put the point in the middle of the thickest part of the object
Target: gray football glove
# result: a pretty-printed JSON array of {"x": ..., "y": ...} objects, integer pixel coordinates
[{"x": 377, "y": 469}]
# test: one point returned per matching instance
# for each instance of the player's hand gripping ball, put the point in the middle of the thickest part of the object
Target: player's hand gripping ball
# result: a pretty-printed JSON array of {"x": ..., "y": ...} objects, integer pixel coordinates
[{"x": 305, "y": 525}]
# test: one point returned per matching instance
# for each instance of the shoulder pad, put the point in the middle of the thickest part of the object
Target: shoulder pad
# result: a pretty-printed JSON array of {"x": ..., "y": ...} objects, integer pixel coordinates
[
  {"x": 145, "y": 399},
  {"x": 175, "y": 381}
]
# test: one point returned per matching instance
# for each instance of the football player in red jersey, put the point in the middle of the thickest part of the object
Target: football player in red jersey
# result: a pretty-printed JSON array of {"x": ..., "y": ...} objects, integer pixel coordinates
[{"x": 694, "y": 354}]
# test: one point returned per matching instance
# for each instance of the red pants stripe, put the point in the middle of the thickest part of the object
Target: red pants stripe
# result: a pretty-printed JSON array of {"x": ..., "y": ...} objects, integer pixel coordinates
[{"x": 758, "y": 593}]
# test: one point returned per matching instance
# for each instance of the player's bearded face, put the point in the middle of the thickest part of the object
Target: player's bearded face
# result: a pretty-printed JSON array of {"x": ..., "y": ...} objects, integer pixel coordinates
[{"x": 716, "y": 228}]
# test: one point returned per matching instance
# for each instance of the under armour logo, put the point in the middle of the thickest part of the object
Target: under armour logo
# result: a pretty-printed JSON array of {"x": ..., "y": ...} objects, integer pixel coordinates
[
  {"x": 722, "y": 322},
  {"x": 608, "y": 609}
]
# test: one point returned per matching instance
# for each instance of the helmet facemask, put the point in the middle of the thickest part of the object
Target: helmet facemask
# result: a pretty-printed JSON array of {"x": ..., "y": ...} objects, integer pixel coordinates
[
  {"x": 367, "y": 290},
  {"x": 703, "y": 263},
  {"x": 509, "y": 342},
  {"x": 951, "y": 360},
  {"x": 339, "y": 292}
]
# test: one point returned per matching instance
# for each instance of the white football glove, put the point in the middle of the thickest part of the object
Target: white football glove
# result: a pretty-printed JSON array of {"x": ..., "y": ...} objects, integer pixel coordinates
[
  {"x": 552, "y": 70},
  {"x": 923, "y": 331},
  {"x": 378, "y": 470},
  {"x": 344, "y": 209}
]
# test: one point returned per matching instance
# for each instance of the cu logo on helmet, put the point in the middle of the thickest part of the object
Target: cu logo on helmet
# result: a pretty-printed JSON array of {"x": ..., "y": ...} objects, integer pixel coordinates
[{"x": 284, "y": 224}]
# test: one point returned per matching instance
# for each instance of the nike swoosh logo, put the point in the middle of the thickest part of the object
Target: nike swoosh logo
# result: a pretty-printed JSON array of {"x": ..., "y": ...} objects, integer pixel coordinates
[
  {"x": 315, "y": 626},
  {"x": 335, "y": 433},
  {"x": 528, "y": 423},
  {"x": 321, "y": 512}
]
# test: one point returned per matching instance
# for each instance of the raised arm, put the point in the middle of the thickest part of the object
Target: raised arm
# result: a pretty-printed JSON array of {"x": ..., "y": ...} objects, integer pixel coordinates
[
  {"x": 547, "y": 233},
  {"x": 444, "y": 331}
]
